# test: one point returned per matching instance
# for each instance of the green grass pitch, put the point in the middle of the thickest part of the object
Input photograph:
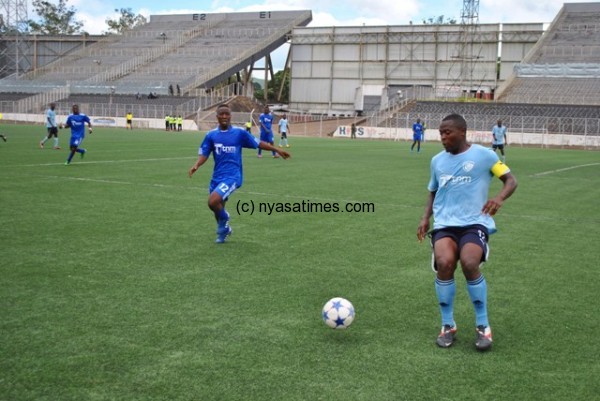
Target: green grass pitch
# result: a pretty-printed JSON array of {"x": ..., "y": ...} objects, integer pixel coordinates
[{"x": 112, "y": 287}]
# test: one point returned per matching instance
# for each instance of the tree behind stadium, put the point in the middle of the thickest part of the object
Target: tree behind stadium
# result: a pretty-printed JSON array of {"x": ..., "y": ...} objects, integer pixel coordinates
[{"x": 55, "y": 19}]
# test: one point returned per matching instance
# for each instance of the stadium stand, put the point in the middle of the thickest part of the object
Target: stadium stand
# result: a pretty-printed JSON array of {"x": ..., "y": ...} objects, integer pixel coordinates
[
  {"x": 195, "y": 51},
  {"x": 170, "y": 49},
  {"x": 554, "y": 90},
  {"x": 564, "y": 66},
  {"x": 521, "y": 117}
]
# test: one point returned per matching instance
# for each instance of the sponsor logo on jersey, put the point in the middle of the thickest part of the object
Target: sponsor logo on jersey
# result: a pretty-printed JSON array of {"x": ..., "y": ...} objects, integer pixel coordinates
[{"x": 220, "y": 148}]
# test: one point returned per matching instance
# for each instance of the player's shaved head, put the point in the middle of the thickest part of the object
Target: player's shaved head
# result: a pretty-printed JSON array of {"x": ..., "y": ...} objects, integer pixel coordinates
[{"x": 458, "y": 121}]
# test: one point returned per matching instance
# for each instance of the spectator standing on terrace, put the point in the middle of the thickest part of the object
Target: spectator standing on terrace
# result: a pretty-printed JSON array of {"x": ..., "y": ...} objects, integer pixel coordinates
[
  {"x": 283, "y": 130},
  {"x": 462, "y": 213},
  {"x": 266, "y": 132},
  {"x": 51, "y": 127},
  {"x": 500, "y": 138},
  {"x": 129, "y": 120},
  {"x": 225, "y": 143},
  {"x": 178, "y": 90}
]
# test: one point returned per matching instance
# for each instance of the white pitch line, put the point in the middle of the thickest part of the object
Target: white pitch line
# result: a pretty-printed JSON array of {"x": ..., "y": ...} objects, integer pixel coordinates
[
  {"x": 107, "y": 161},
  {"x": 563, "y": 169}
]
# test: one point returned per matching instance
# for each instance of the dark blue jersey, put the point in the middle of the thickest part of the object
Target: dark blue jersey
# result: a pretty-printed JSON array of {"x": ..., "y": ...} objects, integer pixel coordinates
[
  {"x": 266, "y": 123},
  {"x": 77, "y": 124},
  {"x": 226, "y": 148}
]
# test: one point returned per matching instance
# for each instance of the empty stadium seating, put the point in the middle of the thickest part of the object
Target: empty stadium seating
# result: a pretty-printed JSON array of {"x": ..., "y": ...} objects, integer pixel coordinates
[
  {"x": 519, "y": 117},
  {"x": 564, "y": 67},
  {"x": 169, "y": 50}
]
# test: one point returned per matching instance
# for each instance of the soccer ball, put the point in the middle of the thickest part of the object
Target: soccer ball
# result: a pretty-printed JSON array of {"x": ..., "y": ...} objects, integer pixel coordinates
[{"x": 338, "y": 313}]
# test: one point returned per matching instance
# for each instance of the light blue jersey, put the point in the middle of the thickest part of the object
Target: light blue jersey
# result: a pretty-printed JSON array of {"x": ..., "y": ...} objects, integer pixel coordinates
[
  {"x": 461, "y": 183},
  {"x": 50, "y": 118},
  {"x": 283, "y": 123},
  {"x": 499, "y": 133},
  {"x": 226, "y": 148}
]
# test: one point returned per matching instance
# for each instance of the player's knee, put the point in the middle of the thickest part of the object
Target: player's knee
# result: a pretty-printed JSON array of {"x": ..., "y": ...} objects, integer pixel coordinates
[
  {"x": 445, "y": 266},
  {"x": 470, "y": 267},
  {"x": 215, "y": 203}
]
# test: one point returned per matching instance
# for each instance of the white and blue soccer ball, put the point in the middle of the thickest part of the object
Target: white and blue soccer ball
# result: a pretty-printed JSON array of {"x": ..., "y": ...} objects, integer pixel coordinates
[{"x": 338, "y": 313}]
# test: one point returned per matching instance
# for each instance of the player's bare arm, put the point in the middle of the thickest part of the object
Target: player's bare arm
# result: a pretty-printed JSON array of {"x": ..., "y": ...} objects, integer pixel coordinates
[
  {"x": 492, "y": 206},
  {"x": 267, "y": 146},
  {"x": 423, "y": 227},
  {"x": 201, "y": 160}
]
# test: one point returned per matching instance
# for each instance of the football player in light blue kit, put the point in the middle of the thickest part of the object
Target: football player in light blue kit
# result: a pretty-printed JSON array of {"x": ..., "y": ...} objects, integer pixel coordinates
[
  {"x": 76, "y": 121},
  {"x": 51, "y": 127},
  {"x": 225, "y": 143},
  {"x": 500, "y": 138},
  {"x": 462, "y": 214},
  {"x": 266, "y": 131},
  {"x": 283, "y": 130}
]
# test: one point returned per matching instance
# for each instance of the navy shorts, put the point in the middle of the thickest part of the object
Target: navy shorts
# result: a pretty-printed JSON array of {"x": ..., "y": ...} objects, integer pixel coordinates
[
  {"x": 475, "y": 234},
  {"x": 498, "y": 146}
]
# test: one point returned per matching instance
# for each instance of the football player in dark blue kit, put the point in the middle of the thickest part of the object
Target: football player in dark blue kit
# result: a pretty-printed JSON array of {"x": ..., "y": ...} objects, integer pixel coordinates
[
  {"x": 265, "y": 122},
  {"x": 76, "y": 122},
  {"x": 225, "y": 143}
]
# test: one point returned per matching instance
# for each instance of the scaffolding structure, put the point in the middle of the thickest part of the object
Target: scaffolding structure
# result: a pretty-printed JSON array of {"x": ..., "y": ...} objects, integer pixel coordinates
[
  {"x": 13, "y": 23},
  {"x": 468, "y": 51}
]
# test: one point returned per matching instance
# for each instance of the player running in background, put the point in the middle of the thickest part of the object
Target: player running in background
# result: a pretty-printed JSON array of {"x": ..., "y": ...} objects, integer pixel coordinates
[
  {"x": 462, "y": 214},
  {"x": 417, "y": 129},
  {"x": 500, "y": 138},
  {"x": 76, "y": 121},
  {"x": 266, "y": 132},
  {"x": 283, "y": 130},
  {"x": 225, "y": 143},
  {"x": 51, "y": 127}
]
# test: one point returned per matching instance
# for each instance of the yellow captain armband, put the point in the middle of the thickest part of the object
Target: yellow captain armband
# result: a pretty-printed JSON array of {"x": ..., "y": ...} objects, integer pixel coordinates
[{"x": 499, "y": 169}]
